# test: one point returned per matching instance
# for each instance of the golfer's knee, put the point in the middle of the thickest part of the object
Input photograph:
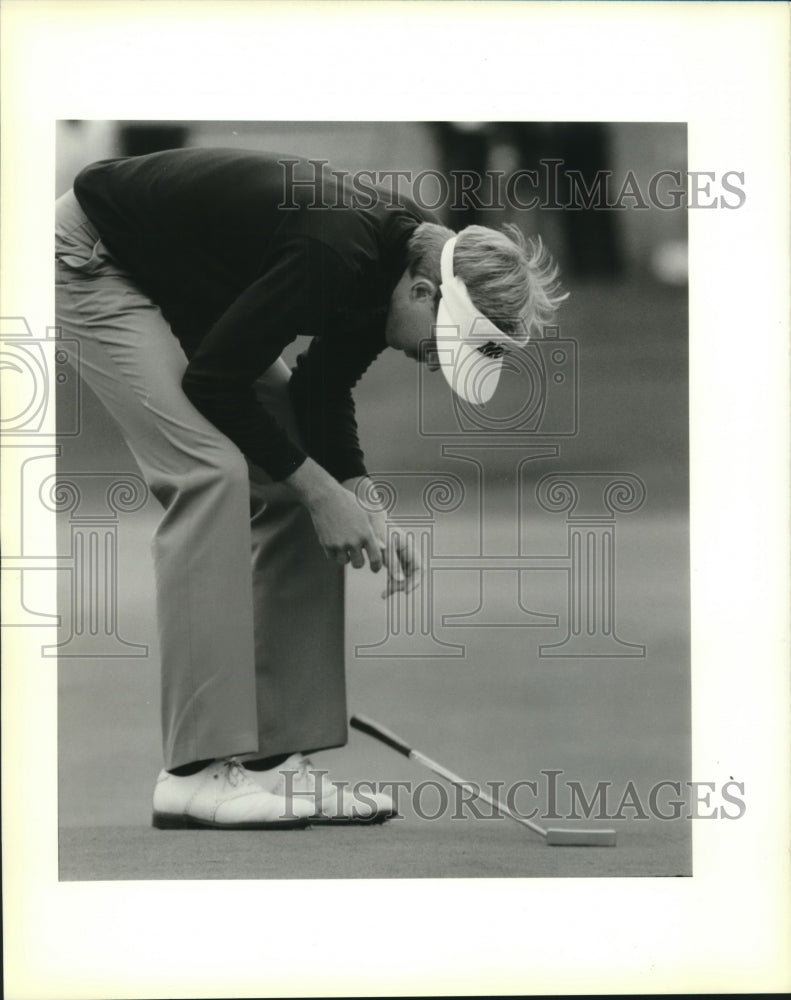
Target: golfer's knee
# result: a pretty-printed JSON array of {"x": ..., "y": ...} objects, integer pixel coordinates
[
  {"x": 215, "y": 470},
  {"x": 224, "y": 467}
]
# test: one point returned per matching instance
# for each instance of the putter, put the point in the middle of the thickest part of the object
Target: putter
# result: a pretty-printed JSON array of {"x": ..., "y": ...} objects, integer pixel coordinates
[{"x": 553, "y": 836}]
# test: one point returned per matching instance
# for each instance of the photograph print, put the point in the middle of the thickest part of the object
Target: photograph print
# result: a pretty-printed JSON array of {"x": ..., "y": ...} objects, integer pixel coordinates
[{"x": 372, "y": 499}]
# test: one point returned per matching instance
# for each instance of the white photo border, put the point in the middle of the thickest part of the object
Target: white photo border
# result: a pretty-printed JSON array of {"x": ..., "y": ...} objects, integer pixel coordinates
[{"x": 722, "y": 68}]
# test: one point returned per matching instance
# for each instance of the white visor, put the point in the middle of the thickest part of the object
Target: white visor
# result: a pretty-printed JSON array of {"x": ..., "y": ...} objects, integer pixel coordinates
[{"x": 469, "y": 346}]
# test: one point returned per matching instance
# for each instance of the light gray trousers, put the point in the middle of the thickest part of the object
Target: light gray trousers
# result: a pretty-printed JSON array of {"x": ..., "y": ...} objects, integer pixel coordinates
[{"x": 250, "y": 611}]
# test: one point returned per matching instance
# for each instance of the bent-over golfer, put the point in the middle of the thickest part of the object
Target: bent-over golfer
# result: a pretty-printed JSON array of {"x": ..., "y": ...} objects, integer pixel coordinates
[{"x": 182, "y": 276}]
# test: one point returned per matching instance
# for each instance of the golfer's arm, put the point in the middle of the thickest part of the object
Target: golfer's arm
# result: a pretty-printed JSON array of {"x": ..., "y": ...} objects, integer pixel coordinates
[
  {"x": 311, "y": 484},
  {"x": 365, "y": 489},
  {"x": 288, "y": 299},
  {"x": 321, "y": 394}
]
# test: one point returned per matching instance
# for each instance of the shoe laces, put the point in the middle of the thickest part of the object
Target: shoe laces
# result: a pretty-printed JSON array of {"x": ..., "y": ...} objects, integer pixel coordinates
[
  {"x": 303, "y": 781},
  {"x": 235, "y": 773},
  {"x": 305, "y": 765}
]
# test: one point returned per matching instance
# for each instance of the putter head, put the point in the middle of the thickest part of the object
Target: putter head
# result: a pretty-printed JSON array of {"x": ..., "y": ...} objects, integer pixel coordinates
[{"x": 581, "y": 838}]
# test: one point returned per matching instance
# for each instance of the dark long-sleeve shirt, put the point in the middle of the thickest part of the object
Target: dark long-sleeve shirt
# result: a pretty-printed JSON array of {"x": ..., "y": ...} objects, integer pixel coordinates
[{"x": 238, "y": 276}]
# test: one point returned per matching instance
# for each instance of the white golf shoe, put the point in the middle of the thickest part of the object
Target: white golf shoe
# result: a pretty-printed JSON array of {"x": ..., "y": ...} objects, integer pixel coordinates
[
  {"x": 223, "y": 796},
  {"x": 329, "y": 802}
]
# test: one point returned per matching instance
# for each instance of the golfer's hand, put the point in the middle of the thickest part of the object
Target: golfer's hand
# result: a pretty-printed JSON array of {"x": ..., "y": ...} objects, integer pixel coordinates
[
  {"x": 345, "y": 531},
  {"x": 403, "y": 566},
  {"x": 343, "y": 528}
]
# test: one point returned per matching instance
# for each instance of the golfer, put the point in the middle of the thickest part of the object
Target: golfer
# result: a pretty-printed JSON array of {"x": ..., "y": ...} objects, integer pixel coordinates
[{"x": 182, "y": 276}]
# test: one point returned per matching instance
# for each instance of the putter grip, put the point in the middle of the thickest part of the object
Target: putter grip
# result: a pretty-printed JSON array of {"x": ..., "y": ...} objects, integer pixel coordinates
[{"x": 380, "y": 733}]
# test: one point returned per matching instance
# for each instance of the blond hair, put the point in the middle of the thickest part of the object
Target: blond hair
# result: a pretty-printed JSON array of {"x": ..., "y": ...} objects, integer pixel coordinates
[{"x": 513, "y": 281}]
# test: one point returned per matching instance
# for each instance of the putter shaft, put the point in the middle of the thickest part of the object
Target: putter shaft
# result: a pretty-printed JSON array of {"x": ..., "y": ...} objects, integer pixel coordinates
[
  {"x": 396, "y": 743},
  {"x": 553, "y": 836}
]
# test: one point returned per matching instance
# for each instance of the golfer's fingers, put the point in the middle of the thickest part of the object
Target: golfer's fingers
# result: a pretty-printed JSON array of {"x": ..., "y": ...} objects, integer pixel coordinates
[
  {"x": 409, "y": 558},
  {"x": 357, "y": 558},
  {"x": 350, "y": 554},
  {"x": 374, "y": 550},
  {"x": 411, "y": 581},
  {"x": 394, "y": 568}
]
